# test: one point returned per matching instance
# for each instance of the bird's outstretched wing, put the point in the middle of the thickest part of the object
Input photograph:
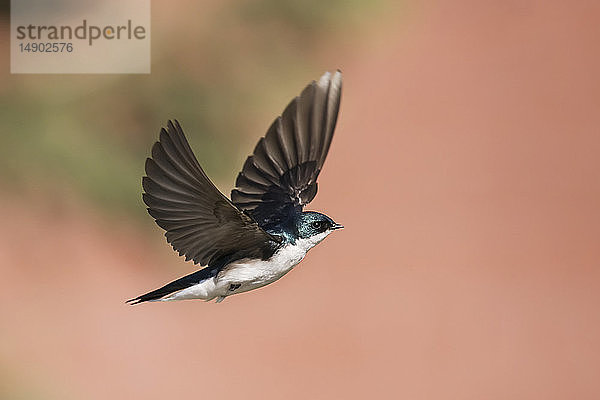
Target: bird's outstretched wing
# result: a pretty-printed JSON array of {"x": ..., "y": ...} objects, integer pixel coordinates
[
  {"x": 200, "y": 222},
  {"x": 281, "y": 176}
]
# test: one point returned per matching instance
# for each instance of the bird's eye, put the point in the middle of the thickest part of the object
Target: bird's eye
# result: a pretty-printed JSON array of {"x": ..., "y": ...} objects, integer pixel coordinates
[{"x": 316, "y": 225}]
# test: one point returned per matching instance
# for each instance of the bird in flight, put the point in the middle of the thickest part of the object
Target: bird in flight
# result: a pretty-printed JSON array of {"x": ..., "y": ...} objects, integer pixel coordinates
[{"x": 260, "y": 234}]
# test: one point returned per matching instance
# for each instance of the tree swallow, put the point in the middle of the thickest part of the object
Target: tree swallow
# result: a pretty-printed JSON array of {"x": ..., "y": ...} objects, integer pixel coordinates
[{"x": 261, "y": 233}]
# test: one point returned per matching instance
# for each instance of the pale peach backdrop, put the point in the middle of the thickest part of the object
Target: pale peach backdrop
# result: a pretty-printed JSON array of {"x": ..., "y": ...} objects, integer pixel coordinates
[{"x": 466, "y": 170}]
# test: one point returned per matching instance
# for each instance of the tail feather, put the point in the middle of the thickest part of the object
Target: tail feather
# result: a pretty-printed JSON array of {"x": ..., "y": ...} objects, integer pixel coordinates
[{"x": 175, "y": 286}]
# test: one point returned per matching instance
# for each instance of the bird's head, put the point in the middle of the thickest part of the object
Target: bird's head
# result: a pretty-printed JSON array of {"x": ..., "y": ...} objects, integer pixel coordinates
[{"x": 310, "y": 224}]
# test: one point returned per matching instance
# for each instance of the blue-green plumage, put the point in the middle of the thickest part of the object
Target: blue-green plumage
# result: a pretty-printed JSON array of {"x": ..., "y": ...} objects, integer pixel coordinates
[{"x": 303, "y": 225}]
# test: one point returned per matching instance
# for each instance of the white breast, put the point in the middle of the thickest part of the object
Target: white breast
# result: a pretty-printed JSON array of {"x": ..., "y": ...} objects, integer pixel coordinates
[
  {"x": 264, "y": 272},
  {"x": 250, "y": 274}
]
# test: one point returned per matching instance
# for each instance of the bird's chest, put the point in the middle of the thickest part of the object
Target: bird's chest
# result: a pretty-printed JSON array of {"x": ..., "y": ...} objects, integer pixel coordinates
[{"x": 255, "y": 273}]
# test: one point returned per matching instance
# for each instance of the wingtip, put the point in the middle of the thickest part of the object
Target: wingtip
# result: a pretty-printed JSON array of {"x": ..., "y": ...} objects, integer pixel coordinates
[
  {"x": 337, "y": 78},
  {"x": 146, "y": 182},
  {"x": 328, "y": 79},
  {"x": 173, "y": 125},
  {"x": 162, "y": 136}
]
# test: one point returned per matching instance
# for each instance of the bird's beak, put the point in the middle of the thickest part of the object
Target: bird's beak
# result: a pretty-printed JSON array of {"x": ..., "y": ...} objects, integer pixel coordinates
[{"x": 337, "y": 226}]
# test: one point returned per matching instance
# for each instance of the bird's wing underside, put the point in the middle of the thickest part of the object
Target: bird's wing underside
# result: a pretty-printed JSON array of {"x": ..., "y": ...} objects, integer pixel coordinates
[
  {"x": 200, "y": 222},
  {"x": 281, "y": 176}
]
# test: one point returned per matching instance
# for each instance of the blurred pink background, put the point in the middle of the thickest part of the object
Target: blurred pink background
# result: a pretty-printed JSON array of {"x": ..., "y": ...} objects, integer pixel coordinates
[{"x": 466, "y": 170}]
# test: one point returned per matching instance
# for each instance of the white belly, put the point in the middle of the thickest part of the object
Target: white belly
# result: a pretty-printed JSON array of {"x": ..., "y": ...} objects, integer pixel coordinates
[{"x": 249, "y": 274}]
